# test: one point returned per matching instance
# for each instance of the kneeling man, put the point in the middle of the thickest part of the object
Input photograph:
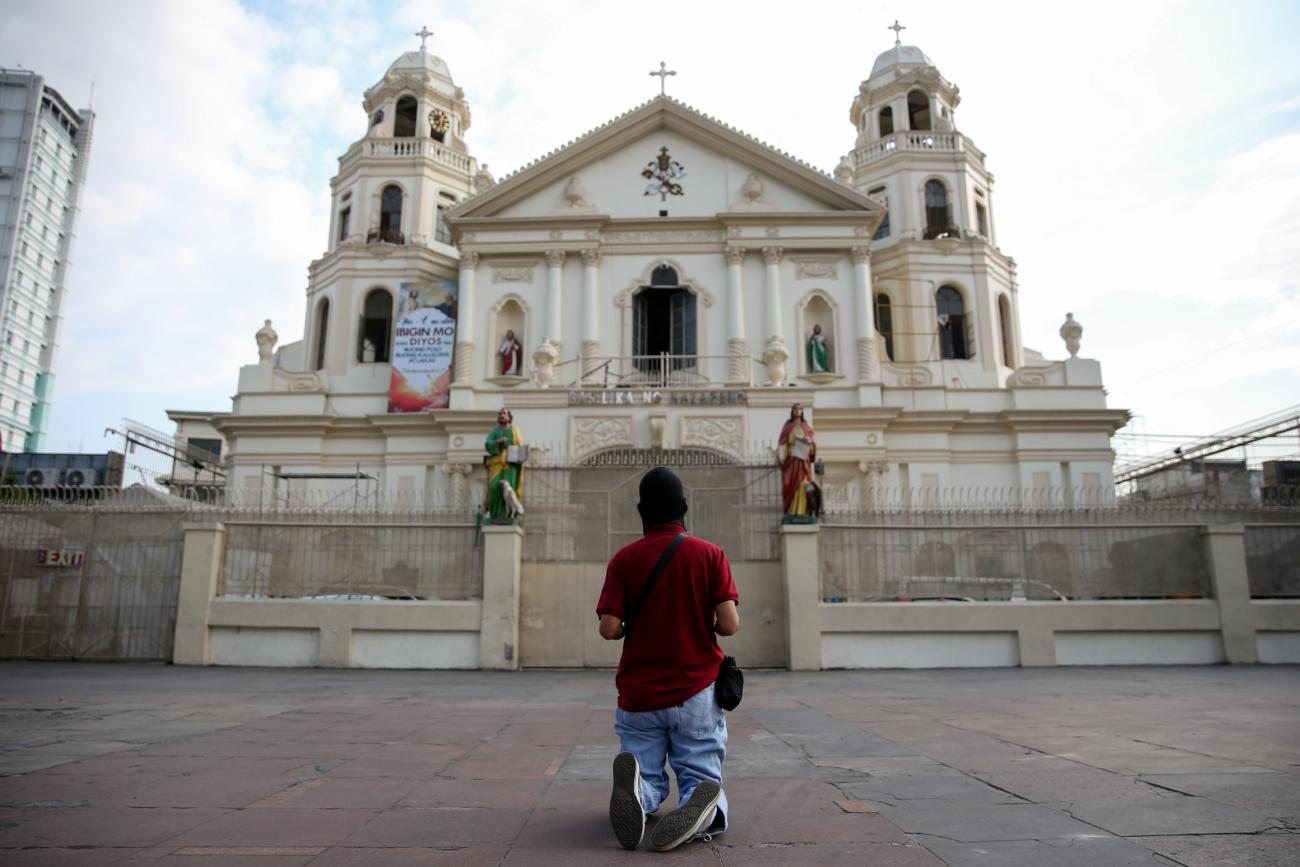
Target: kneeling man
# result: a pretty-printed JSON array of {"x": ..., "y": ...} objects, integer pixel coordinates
[{"x": 668, "y": 595}]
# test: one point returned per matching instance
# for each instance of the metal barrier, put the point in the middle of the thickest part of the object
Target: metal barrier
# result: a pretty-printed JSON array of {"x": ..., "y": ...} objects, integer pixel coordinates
[
  {"x": 78, "y": 582},
  {"x": 1008, "y": 560},
  {"x": 586, "y": 513},
  {"x": 373, "y": 556},
  {"x": 1273, "y": 560}
]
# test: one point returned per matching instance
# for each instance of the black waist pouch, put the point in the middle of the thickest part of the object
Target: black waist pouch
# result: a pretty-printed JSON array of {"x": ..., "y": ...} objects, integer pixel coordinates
[{"x": 730, "y": 684}]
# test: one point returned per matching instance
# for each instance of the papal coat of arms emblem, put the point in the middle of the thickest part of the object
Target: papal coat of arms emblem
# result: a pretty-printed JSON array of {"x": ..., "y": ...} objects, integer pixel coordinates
[{"x": 663, "y": 172}]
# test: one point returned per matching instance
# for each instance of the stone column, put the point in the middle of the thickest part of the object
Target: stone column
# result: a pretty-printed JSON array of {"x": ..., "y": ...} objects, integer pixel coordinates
[
  {"x": 737, "y": 344},
  {"x": 499, "y": 627},
  {"x": 459, "y": 495},
  {"x": 555, "y": 298},
  {"x": 803, "y": 622},
  {"x": 590, "y": 309},
  {"x": 200, "y": 580},
  {"x": 1225, "y": 551},
  {"x": 868, "y": 366},
  {"x": 465, "y": 320},
  {"x": 775, "y": 353}
]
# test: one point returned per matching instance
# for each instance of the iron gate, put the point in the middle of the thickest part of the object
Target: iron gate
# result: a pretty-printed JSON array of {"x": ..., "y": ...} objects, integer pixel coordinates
[{"x": 80, "y": 583}]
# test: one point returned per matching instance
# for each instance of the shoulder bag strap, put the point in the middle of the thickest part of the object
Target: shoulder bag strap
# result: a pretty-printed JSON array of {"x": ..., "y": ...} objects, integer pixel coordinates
[{"x": 634, "y": 612}]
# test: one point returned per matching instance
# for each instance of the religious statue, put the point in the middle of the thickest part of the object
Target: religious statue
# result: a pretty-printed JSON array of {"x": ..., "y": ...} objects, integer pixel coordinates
[
  {"x": 506, "y": 454},
  {"x": 817, "y": 351},
  {"x": 511, "y": 353},
  {"x": 800, "y": 495},
  {"x": 266, "y": 338}
]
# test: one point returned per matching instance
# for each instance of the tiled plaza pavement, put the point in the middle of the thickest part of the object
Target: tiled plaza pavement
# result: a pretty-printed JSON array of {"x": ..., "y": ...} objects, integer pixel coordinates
[{"x": 118, "y": 764}]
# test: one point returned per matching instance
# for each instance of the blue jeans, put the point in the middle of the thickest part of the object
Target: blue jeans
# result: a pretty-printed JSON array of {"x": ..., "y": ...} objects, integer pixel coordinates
[{"x": 691, "y": 736}]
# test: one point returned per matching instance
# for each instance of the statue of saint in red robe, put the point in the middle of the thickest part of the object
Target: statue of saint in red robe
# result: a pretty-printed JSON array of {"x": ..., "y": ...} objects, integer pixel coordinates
[
  {"x": 796, "y": 452},
  {"x": 511, "y": 354}
]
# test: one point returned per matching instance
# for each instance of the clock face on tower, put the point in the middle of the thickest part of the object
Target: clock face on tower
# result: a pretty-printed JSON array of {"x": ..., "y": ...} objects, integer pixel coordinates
[{"x": 439, "y": 122}]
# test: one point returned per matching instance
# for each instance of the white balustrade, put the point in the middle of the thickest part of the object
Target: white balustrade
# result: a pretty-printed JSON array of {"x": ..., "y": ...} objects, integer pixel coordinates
[
  {"x": 404, "y": 148},
  {"x": 916, "y": 140}
]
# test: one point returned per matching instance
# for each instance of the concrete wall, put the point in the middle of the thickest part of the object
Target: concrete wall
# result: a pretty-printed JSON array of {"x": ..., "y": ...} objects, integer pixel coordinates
[
  {"x": 543, "y": 614},
  {"x": 1231, "y": 627},
  {"x": 211, "y": 630}
]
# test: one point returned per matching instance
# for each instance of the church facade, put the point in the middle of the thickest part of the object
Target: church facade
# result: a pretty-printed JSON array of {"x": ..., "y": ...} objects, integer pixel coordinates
[{"x": 666, "y": 282}]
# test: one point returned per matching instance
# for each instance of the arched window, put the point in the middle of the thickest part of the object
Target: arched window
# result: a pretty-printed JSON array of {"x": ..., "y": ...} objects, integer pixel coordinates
[
  {"x": 918, "y": 110},
  {"x": 886, "y": 121},
  {"x": 404, "y": 120},
  {"x": 885, "y": 323},
  {"x": 952, "y": 323},
  {"x": 938, "y": 220},
  {"x": 663, "y": 322},
  {"x": 376, "y": 326},
  {"x": 322, "y": 331},
  {"x": 390, "y": 215},
  {"x": 1004, "y": 325}
]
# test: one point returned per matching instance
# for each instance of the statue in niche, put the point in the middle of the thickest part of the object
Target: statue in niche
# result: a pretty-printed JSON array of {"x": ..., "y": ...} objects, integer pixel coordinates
[
  {"x": 818, "y": 358},
  {"x": 266, "y": 338},
  {"x": 506, "y": 455},
  {"x": 800, "y": 494},
  {"x": 511, "y": 353}
]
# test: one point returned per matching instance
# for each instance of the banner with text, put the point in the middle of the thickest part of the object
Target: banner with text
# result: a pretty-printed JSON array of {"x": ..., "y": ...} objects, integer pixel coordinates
[{"x": 423, "y": 342}]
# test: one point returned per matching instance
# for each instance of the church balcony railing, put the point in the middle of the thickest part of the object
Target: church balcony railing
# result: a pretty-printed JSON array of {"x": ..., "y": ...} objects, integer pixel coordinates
[
  {"x": 404, "y": 149},
  {"x": 917, "y": 141},
  {"x": 662, "y": 371}
]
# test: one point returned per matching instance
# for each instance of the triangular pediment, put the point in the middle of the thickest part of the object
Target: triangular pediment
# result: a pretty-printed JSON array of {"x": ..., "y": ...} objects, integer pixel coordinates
[{"x": 616, "y": 172}]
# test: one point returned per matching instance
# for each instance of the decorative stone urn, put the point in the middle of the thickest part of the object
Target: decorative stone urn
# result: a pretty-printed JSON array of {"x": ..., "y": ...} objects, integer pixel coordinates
[
  {"x": 575, "y": 193},
  {"x": 752, "y": 189},
  {"x": 775, "y": 355},
  {"x": 1071, "y": 331},
  {"x": 544, "y": 358},
  {"x": 844, "y": 171},
  {"x": 266, "y": 338}
]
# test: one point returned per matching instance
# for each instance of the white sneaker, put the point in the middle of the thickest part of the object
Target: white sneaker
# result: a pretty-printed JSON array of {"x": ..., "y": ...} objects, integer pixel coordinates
[
  {"x": 625, "y": 811},
  {"x": 688, "y": 820}
]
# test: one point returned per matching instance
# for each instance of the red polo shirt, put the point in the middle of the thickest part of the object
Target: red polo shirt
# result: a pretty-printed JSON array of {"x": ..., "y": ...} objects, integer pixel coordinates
[{"x": 673, "y": 652}]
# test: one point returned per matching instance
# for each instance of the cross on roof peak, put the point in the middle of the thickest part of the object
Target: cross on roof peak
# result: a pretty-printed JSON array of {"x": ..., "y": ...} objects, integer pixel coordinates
[
  {"x": 424, "y": 33},
  {"x": 897, "y": 28},
  {"x": 663, "y": 72}
]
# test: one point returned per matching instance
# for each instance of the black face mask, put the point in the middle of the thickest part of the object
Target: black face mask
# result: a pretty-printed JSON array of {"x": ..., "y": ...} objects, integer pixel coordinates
[{"x": 663, "y": 500}]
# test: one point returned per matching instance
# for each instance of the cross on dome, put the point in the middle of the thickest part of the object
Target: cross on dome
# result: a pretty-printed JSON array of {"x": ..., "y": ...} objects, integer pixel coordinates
[
  {"x": 663, "y": 73},
  {"x": 897, "y": 28},
  {"x": 424, "y": 33}
]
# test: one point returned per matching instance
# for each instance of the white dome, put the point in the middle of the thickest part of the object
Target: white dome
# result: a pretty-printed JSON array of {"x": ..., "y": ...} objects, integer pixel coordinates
[
  {"x": 900, "y": 55},
  {"x": 422, "y": 60}
]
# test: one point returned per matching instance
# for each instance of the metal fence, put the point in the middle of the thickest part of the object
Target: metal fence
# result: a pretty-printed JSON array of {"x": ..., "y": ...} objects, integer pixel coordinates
[
  {"x": 1273, "y": 560},
  {"x": 80, "y": 582},
  {"x": 94, "y": 573},
  {"x": 370, "y": 556},
  {"x": 586, "y": 513},
  {"x": 1006, "y": 557}
]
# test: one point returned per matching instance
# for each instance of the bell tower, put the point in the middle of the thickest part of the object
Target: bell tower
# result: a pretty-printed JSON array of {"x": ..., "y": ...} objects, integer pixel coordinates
[
  {"x": 945, "y": 295},
  {"x": 412, "y": 163}
]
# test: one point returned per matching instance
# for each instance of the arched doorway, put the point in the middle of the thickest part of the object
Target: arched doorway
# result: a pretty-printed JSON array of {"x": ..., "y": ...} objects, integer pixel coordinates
[{"x": 664, "y": 325}]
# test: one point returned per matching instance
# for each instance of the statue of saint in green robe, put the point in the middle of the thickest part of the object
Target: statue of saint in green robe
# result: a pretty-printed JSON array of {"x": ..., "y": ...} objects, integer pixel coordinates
[
  {"x": 502, "y": 505},
  {"x": 817, "y": 351}
]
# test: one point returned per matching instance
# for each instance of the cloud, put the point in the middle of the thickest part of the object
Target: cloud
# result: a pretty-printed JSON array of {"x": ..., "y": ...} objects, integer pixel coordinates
[{"x": 1132, "y": 186}]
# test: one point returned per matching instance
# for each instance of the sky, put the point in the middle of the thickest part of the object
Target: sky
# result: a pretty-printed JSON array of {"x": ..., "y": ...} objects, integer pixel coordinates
[{"x": 1146, "y": 156}]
